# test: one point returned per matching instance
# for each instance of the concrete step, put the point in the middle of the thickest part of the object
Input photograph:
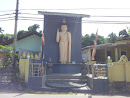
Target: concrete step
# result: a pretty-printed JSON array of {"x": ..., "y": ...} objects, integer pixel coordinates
[
  {"x": 65, "y": 85},
  {"x": 66, "y": 76},
  {"x": 67, "y": 80}
]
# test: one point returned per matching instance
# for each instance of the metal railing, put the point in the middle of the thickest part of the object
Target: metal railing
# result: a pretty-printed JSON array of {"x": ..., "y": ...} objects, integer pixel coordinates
[
  {"x": 37, "y": 69},
  {"x": 97, "y": 70}
]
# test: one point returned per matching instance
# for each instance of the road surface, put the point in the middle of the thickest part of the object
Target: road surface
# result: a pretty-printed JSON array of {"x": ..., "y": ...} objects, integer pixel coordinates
[{"x": 22, "y": 95}]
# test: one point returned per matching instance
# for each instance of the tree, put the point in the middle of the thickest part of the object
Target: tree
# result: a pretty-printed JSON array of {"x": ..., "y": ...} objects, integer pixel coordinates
[
  {"x": 1, "y": 30},
  {"x": 123, "y": 33},
  {"x": 86, "y": 40},
  {"x": 4, "y": 37},
  {"x": 100, "y": 39},
  {"x": 8, "y": 58},
  {"x": 40, "y": 31},
  {"x": 34, "y": 27},
  {"x": 112, "y": 37},
  {"x": 89, "y": 40},
  {"x": 21, "y": 32}
]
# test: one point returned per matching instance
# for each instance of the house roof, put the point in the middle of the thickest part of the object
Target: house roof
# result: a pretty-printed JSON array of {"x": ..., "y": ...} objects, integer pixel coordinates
[
  {"x": 62, "y": 14},
  {"x": 98, "y": 46},
  {"x": 19, "y": 37}
]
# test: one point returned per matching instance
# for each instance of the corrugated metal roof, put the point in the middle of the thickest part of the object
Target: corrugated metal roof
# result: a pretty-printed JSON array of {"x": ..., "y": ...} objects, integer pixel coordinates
[
  {"x": 62, "y": 14},
  {"x": 98, "y": 46},
  {"x": 19, "y": 37}
]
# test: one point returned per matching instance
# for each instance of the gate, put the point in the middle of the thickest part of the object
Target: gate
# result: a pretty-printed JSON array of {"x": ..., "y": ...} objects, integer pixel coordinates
[{"x": 98, "y": 78}]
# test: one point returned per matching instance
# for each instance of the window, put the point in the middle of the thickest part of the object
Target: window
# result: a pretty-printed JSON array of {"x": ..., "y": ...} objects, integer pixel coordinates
[
  {"x": 123, "y": 52},
  {"x": 108, "y": 53}
]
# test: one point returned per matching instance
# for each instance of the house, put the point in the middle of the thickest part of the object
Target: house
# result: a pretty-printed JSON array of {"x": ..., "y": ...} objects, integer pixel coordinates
[
  {"x": 114, "y": 50},
  {"x": 28, "y": 41}
]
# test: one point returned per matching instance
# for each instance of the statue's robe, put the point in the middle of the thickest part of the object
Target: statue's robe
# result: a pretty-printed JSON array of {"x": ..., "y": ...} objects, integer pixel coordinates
[{"x": 64, "y": 40}]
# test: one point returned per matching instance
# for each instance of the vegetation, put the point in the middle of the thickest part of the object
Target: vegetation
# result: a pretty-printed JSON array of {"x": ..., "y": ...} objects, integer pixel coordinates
[
  {"x": 112, "y": 37},
  {"x": 1, "y": 30},
  {"x": 8, "y": 50},
  {"x": 123, "y": 33},
  {"x": 34, "y": 27},
  {"x": 88, "y": 40},
  {"x": 4, "y": 37},
  {"x": 21, "y": 32}
]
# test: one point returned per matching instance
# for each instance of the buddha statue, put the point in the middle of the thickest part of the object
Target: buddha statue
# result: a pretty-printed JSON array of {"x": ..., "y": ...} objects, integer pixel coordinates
[{"x": 64, "y": 39}]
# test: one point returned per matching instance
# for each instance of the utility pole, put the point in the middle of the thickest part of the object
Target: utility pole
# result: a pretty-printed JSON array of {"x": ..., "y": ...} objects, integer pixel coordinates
[{"x": 15, "y": 35}]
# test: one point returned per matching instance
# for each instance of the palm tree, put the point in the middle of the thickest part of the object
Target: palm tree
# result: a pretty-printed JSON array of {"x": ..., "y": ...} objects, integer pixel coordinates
[
  {"x": 112, "y": 37},
  {"x": 34, "y": 27},
  {"x": 123, "y": 33},
  {"x": 1, "y": 30}
]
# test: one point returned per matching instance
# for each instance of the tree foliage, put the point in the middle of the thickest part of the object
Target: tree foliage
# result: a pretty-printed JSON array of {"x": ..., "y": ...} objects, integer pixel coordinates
[
  {"x": 89, "y": 40},
  {"x": 34, "y": 27},
  {"x": 1, "y": 30},
  {"x": 21, "y": 32},
  {"x": 4, "y": 37},
  {"x": 112, "y": 37},
  {"x": 123, "y": 33},
  {"x": 9, "y": 51}
]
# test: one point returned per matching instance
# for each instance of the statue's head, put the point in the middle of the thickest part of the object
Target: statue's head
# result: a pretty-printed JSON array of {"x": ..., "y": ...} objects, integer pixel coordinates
[{"x": 64, "y": 26}]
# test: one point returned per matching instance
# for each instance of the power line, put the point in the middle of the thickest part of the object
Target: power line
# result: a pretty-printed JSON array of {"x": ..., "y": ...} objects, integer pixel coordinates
[
  {"x": 29, "y": 14},
  {"x": 94, "y": 22},
  {"x": 73, "y": 9},
  {"x": 30, "y": 17},
  {"x": 71, "y": 21},
  {"x": 7, "y": 14},
  {"x": 108, "y": 16},
  {"x": 7, "y": 10},
  {"x": 90, "y": 15},
  {"x": 82, "y": 9},
  {"x": 83, "y": 21},
  {"x": 6, "y": 18}
]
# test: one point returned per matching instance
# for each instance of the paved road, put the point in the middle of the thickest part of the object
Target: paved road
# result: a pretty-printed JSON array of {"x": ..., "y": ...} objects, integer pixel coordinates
[{"x": 18, "y": 95}]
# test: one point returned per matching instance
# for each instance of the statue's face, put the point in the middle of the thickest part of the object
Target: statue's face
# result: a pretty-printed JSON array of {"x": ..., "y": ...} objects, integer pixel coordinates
[{"x": 64, "y": 28}]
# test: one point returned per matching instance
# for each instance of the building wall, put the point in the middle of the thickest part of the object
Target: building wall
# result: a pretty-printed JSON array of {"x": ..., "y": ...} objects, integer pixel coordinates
[{"x": 32, "y": 43}]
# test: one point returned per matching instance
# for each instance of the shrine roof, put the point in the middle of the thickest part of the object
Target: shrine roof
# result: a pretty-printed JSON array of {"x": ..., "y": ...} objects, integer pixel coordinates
[{"x": 63, "y": 14}]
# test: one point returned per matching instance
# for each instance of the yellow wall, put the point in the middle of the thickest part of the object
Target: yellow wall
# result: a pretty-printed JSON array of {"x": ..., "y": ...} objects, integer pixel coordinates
[
  {"x": 120, "y": 71},
  {"x": 24, "y": 69},
  {"x": 127, "y": 71},
  {"x": 116, "y": 72}
]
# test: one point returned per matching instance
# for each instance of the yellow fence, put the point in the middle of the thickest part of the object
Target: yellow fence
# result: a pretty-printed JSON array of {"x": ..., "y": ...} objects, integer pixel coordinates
[
  {"x": 24, "y": 69},
  {"x": 119, "y": 71}
]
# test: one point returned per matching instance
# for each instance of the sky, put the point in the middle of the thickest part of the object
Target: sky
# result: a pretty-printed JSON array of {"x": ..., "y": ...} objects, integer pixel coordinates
[{"x": 90, "y": 7}]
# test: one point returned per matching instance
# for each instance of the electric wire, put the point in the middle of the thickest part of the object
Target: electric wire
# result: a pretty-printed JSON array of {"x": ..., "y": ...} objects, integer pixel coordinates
[
  {"x": 7, "y": 11},
  {"x": 71, "y": 9},
  {"x": 7, "y": 14},
  {"x": 90, "y": 15},
  {"x": 82, "y": 9},
  {"x": 83, "y": 21}
]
